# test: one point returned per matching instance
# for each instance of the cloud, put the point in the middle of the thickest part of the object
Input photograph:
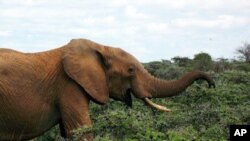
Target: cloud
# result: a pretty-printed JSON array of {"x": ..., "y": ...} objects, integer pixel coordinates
[
  {"x": 107, "y": 20},
  {"x": 19, "y": 3},
  {"x": 144, "y": 27},
  {"x": 4, "y": 33},
  {"x": 132, "y": 12},
  {"x": 158, "y": 27},
  {"x": 195, "y": 4},
  {"x": 206, "y": 6},
  {"x": 221, "y": 21},
  {"x": 119, "y": 2},
  {"x": 13, "y": 13}
]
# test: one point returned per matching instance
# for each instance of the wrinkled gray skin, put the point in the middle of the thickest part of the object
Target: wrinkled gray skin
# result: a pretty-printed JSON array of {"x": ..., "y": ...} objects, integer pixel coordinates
[{"x": 40, "y": 90}]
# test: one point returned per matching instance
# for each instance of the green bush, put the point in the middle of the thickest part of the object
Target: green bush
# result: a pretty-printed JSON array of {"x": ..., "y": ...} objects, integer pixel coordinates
[
  {"x": 198, "y": 113},
  {"x": 203, "y": 61}
]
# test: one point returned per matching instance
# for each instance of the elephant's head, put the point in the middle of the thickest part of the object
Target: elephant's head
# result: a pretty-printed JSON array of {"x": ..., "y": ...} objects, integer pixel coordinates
[{"x": 105, "y": 72}]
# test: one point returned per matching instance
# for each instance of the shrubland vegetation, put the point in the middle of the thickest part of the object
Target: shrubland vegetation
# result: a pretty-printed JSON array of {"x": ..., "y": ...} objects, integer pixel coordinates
[{"x": 198, "y": 113}]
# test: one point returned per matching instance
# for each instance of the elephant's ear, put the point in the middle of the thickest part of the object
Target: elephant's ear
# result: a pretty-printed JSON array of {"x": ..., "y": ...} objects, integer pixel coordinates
[{"x": 83, "y": 61}]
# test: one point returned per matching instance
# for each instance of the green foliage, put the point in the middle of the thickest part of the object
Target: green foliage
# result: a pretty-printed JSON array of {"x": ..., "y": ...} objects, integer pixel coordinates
[
  {"x": 169, "y": 73},
  {"x": 244, "y": 52},
  {"x": 182, "y": 61},
  {"x": 165, "y": 69},
  {"x": 156, "y": 65},
  {"x": 242, "y": 66},
  {"x": 203, "y": 61},
  {"x": 52, "y": 135},
  {"x": 221, "y": 65},
  {"x": 198, "y": 113}
]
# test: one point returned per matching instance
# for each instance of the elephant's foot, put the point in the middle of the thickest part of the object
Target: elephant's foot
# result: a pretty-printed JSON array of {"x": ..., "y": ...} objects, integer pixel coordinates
[
  {"x": 79, "y": 134},
  {"x": 82, "y": 134},
  {"x": 76, "y": 132},
  {"x": 86, "y": 137}
]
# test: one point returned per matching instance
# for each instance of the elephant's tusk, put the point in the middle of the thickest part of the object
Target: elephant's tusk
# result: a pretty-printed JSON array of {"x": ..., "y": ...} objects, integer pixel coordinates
[{"x": 156, "y": 106}]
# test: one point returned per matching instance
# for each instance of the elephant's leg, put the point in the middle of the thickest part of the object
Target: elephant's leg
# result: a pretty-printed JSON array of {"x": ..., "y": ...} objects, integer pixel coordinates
[
  {"x": 74, "y": 108},
  {"x": 68, "y": 129}
]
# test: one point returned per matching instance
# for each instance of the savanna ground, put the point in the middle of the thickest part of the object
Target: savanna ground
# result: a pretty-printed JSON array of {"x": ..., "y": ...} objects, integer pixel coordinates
[{"x": 198, "y": 113}]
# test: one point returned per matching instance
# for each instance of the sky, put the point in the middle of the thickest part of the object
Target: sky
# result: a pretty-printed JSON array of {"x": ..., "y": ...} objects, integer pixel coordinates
[{"x": 150, "y": 30}]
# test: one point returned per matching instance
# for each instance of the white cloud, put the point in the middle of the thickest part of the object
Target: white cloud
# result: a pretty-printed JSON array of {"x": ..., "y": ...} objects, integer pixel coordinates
[
  {"x": 108, "y": 20},
  {"x": 158, "y": 27},
  {"x": 221, "y": 21},
  {"x": 89, "y": 20},
  {"x": 119, "y": 2},
  {"x": 77, "y": 31},
  {"x": 17, "y": 2},
  {"x": 4, "y": 33},
  {"x": 132, "y": 12},
  {"x": 233, "y": 5},
  {"x": 140, "y": 52},
  {"x": 133, "y": 24},
  {"x": 13, "y": 13},
  {"x": 169, "y": 3}
]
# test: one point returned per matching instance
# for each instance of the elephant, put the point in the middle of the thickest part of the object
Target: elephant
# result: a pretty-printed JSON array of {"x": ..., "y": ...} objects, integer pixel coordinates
[{"x": 44, "y": 89}]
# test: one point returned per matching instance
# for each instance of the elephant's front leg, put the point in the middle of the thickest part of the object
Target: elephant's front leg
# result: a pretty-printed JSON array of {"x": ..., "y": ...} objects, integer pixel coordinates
[{"x": 74, "y": 108}]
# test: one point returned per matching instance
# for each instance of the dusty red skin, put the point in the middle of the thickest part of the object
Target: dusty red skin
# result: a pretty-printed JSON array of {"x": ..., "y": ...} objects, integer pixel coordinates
[{"x": 40, "y": 90}]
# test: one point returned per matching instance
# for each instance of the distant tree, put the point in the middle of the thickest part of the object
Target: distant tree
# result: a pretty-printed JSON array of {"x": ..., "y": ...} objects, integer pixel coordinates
[
  {"x": 182, "y": 61},
  {"x": 203, "y": 61},
  {"x": 156, "y": 65},
  {"x": 172, "y": 72},
  {"x": 166, "y": 62},
  {"x": 221, "y": 64},
  {"x": 244, "y": 52}
]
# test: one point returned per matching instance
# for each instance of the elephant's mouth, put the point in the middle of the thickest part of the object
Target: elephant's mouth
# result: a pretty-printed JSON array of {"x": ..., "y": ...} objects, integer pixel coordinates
[
  {"x": 128, "y": 97},
  {"x": 148, "y": 101}
]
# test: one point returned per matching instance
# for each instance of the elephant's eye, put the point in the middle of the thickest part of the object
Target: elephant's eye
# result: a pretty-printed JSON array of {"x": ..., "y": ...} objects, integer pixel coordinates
[{"x": 131, "y": 69}]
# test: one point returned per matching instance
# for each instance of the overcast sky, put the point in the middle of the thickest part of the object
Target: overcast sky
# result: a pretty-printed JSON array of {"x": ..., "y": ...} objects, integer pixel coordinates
[{"x": 148, "y": 29}]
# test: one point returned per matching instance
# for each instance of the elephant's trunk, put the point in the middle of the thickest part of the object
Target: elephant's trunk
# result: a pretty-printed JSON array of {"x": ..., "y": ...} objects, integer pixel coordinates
[{"x": 163, "y": 88}]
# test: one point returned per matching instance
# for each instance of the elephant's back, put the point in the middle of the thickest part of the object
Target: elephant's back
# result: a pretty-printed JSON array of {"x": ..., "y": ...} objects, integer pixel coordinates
[
  {"x": 9, "y": 56},
  {"x": 15, "y": 70},
  {"x": 21, "y": 72},
  {"x": 12, "y": 61},
  {"x": 6, "y": 51}
]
